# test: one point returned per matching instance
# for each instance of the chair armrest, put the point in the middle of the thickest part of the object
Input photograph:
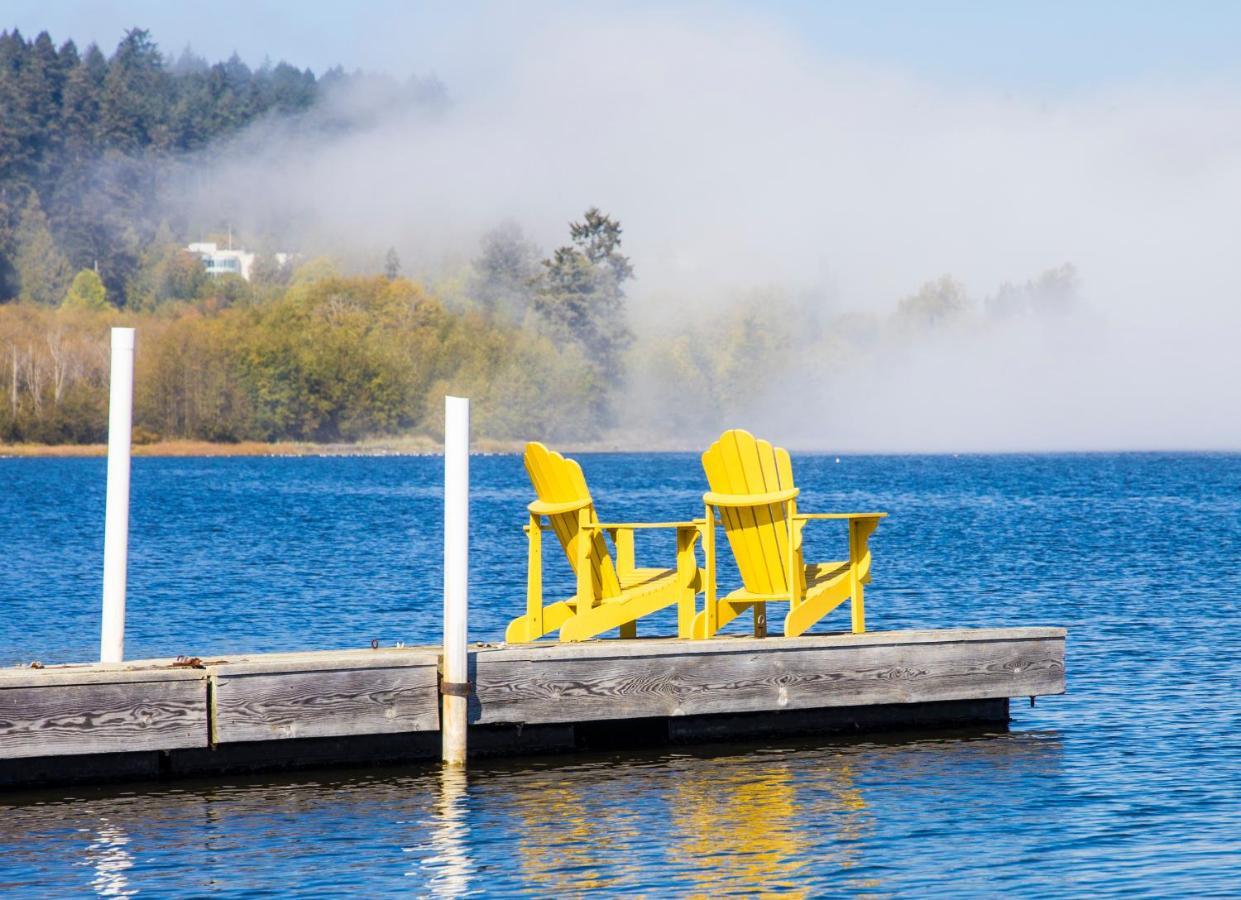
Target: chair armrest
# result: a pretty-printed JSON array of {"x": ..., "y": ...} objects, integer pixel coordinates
[
  {"x": 632, "y": 526},
  {"x": 547, "y": 508},
  {"x": 865, "y": 515},
  {"x": 711, "y": 498},
  {"x": 622, "y": 536}
]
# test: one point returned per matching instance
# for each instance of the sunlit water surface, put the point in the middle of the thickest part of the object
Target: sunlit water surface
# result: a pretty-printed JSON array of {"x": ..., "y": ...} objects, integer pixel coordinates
[{"x": 1130, "y": 783}]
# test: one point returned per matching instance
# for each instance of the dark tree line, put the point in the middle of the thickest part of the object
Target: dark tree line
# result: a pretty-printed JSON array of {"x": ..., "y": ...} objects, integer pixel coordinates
[{"x": 84, "y": 139}]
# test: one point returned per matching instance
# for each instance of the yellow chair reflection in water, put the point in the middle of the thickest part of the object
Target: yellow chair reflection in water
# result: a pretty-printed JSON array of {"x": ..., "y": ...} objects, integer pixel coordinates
[
  {"x": 760, "y": 824},
  {"x": 569, "y": 834},
  {"x": 740, "y": 828},
  {"x": 753, "y": 823}
]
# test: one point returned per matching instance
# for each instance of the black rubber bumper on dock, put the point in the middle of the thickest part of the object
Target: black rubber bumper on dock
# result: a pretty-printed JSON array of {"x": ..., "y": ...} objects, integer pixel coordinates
[{"x": 254, "y": 757}]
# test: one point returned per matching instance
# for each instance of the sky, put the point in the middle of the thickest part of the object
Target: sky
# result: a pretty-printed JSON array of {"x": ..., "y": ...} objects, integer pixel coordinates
[{"x": 1035, "y": 48}]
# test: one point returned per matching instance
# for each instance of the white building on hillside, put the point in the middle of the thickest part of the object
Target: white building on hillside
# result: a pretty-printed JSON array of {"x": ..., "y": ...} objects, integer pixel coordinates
[{"x": 223, "y": 262}]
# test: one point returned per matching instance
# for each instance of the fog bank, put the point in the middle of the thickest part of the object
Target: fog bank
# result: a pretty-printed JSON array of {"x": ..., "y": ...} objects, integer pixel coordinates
[{"x": 739, "y": 161}]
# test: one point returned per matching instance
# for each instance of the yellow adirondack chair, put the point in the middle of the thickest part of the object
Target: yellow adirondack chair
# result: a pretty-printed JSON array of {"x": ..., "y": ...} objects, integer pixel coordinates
[
  {"x": 752, "y": 490},
  {"x": 609, "y": 594}
]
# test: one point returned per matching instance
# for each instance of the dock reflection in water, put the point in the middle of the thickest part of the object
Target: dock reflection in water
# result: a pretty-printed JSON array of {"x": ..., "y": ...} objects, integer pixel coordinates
[
  {"x": 450, "y": 868},
  {"x": 798, "y": 819},
  {"x": 109, "y": 856}
]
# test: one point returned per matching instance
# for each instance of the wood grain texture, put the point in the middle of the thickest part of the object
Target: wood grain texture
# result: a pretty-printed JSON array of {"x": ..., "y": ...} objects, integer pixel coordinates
[
  {"x": 325, "y": 660},
  {"x": 606, "y": 680},
  {"x": 256, "y": 706},
  {"x": 734, "y": 643},
  {"x": 99, "y": 673},
  {"x": 68, "y": 717}
]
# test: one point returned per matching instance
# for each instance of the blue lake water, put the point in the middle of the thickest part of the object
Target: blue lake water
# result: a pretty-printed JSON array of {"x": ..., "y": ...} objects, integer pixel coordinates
[{"x": 1129, "y": 783}]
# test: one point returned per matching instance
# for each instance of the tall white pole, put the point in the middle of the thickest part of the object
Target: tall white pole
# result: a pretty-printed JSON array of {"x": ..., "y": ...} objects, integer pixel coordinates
[
  {"x": 116, "y": 519},
  {"x": 456, "y": 577}
]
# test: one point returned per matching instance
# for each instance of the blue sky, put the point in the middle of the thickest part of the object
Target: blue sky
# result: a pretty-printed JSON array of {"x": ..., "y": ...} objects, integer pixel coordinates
[{"x": 1050, "y": 47}]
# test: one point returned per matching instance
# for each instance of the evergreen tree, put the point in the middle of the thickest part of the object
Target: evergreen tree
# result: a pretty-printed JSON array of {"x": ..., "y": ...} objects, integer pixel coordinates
[
  {"x": 41, "y": 84},
  {"x": 581, "y": 297},
  {"x": 147, "y": 286},
  {"x": 43, "y": 272},
  {"x": 86, "y": 292},
  {"x": 189, "y": 63},
  {"x": 8, "y": 226},
  {"x": 392, "y": 264},
  {"x": 15, "y": 124},
  {"x": 80, "y": 108},
  {"x": 133, "y": 105},
  {"x": 289, "y": 89},
  {"x": 599, "y": 240},
  {"x": 505, "y": 273}
]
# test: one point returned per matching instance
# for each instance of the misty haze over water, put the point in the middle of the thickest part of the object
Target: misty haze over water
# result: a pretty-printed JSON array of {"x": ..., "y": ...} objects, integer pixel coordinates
[{"x": 754, "y": 173}]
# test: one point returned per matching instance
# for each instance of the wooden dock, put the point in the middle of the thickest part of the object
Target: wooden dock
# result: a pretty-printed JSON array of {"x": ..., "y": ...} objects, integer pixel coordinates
[{"x": 157, "y": 719}]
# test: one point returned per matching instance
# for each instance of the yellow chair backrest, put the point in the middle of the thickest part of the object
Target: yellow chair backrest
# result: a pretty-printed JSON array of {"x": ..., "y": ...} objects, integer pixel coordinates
[
  {"x": 557, "y": 481},
  {"x": 738, "y": 464}
]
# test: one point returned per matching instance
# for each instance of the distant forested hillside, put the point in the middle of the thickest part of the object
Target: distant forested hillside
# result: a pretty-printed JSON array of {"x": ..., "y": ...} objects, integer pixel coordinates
[
  {"x": 85, "y": 139},
  {"x": 297, "y": 351}
]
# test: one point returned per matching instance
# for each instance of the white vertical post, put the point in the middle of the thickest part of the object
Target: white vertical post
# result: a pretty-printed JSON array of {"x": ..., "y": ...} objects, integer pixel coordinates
[
  {"x": 116, "y": 518},
  {"x": 456, "y": 577}
]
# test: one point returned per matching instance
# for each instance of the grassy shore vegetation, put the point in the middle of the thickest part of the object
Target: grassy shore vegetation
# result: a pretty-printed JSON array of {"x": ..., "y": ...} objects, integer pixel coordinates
[
  {"x": 332, "y": 359},
  {"x": 328, "y": 358}
]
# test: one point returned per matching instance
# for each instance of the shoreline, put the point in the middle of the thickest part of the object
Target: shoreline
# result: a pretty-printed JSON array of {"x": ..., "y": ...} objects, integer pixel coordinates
[
  {"x": 425, "y": 446},
  {"x": 398, "y": 447},
  {"x": 412, "y": 446}
]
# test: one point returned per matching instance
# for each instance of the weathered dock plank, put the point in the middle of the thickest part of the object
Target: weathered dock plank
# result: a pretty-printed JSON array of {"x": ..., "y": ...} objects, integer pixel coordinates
[
  {"x": 325, "y": 694},
  {"x": 82, "y": 710},
  {"x": 541, "y": 683}
]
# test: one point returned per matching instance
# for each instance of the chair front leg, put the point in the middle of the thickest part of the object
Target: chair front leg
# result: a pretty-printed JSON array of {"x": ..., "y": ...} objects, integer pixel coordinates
[
  {"x": 707, "y": 620},
  {"x": 623, "y": 539},
  {"x": 687, "y": 580},
  {"x": 857, "y": 553},
  {"x": 795, "y": 575},
  {"x": 534, "y": 573},
  {"x": 534, "y": 624},
  {"x": 710, "y": 612},
  {"x": 585, "y": 581}
]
